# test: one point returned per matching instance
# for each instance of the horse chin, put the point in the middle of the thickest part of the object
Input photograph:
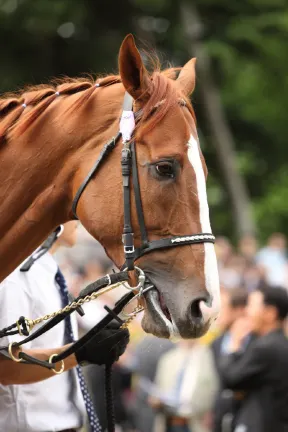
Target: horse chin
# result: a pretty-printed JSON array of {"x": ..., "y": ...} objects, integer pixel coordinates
[{"x": 157, "y": 319}]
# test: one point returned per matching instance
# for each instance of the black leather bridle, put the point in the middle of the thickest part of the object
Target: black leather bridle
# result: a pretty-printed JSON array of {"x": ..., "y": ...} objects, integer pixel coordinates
[{"x": 129, "y": 166}]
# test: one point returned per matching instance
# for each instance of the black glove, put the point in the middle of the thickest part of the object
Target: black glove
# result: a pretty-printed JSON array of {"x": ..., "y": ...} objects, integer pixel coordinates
[{"x": 105, "y": 347}]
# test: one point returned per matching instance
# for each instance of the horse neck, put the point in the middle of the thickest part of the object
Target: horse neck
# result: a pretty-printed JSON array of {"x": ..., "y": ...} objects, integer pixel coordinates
[
  {"x": 31, "y": 203},
  {"x": 37, "y": 177}
]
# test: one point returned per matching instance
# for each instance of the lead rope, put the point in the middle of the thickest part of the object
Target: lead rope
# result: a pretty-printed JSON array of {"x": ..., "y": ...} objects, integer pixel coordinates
[
  {"x": 109, "y": 397},
  {"x": 110, "y": 412}
]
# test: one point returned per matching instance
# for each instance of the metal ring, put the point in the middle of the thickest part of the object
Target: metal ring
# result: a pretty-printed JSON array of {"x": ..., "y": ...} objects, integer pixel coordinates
[
  {"x": 28, "y": 324},
  {"x": 61, "y": 229},
  {"x": 141, "y": 280},
  {"x": 17, "y": 360},
  {"x": 19, "y": 328},
  {"x": 62, "y": 365},
  {"x": 109, "y": 279},
  {"x": 137, "y": 296}
]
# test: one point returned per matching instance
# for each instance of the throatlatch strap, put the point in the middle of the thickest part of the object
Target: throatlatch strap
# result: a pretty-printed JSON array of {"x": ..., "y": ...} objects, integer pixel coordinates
[
  {"x": 42, "y": 250},
  {"x": 104, "y": 152}
]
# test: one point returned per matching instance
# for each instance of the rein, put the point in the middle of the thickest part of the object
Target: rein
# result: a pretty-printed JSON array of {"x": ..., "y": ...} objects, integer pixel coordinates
[{"x": 109, "y": 281}]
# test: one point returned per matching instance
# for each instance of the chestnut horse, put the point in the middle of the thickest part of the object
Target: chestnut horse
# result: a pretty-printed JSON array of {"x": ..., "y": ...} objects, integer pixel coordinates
[{"x": 50, "y": 138}]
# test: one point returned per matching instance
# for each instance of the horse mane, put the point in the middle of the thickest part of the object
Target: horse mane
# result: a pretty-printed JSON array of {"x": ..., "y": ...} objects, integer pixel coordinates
[{"x": 160, "y": 97}]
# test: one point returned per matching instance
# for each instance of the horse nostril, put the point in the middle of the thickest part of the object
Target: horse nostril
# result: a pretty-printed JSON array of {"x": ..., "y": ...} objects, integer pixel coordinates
[{"x": 195, "y": 308}]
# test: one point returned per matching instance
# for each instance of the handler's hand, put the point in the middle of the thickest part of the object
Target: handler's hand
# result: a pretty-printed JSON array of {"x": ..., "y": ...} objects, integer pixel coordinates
[{"x": 105, "y": 347}]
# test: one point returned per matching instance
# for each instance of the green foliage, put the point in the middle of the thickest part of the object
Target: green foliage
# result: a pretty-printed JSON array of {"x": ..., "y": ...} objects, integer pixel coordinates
[
  {"x": 246, "y": 40},
  {"x": 250, "y": 54}
]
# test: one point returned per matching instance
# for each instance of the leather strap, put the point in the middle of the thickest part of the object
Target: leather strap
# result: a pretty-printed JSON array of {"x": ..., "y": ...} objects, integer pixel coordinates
[
  {"x": 138, "y": 201},
  {"x": 96, "y": 329},
  {"x": 127, "y": 102},
  {"x": 42, "y": 249},
  {"x": 128, "y": 235},
  {"x": 174, "y": 241},
  {"x": 104, "y": 153},
  {"x": 93, "y": 287},
  {"x": 69, "y": 430},
  {"x": 33, "y": 360},
  {"x": 78, "y": 344}
]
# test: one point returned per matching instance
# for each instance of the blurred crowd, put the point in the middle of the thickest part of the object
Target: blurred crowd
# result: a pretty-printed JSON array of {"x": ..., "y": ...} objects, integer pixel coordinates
[
  {"x": 162, "y": 386},
  {"x": 249, "y": 265}
]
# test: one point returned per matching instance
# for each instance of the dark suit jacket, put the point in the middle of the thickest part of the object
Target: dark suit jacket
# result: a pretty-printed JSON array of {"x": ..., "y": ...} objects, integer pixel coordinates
[
  {"x": 216, "y": 349},
  {"x": 261, "y": 372},
  {"x": 226, "y": 405}
]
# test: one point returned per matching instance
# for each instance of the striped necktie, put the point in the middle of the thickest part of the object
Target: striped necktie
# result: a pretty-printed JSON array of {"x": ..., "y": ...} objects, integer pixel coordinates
[{"x": 69, "y": 338}]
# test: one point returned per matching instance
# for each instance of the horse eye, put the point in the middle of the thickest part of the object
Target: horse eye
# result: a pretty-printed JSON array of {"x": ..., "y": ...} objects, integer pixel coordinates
[{"x": 165, "y": 169}]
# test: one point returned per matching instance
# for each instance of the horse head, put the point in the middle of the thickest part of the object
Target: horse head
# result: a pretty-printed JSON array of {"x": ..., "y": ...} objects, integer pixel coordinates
[
  {"x": 172, "y": 178},
  {"x": 56, "y": 133}
]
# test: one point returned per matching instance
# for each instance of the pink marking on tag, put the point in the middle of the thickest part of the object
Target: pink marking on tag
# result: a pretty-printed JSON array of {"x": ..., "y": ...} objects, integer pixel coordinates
[{"x": 127, "y": 125}]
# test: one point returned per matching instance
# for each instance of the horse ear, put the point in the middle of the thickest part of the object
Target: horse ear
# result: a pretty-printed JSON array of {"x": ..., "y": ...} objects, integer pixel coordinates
[
  {"x": 187, "y": 77},
  {"x": 132, "y": 70}
]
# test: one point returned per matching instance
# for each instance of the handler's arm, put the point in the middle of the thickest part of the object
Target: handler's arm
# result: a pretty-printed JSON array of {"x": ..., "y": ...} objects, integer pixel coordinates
[
  {"x": 12, "y": 372},
  {"x": 103, "y": 348}
]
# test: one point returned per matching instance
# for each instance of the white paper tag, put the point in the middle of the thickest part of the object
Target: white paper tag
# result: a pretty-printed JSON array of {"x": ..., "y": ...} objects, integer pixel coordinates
[{"x": 127, "y": 125}]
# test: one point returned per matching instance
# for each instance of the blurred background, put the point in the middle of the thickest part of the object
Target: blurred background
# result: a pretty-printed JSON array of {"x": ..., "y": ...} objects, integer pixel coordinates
[{"x": 241, "y": 104}]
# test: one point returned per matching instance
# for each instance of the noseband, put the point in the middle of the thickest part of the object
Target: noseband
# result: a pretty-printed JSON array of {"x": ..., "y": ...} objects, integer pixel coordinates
[{"x": 129, "y": 168}]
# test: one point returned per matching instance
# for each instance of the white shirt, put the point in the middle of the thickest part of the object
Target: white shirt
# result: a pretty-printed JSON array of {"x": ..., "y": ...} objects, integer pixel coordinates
[{"x": 54, "y": 404}]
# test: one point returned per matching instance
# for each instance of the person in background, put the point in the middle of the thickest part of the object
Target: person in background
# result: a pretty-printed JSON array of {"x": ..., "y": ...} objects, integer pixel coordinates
[
  {"x": 59, "y": 403},
  {"x": 253, "y": 278},
  {"x": 233, "y": 304},
  {"x": 273, "y": 260},
  {"x": 186, "y": 383},
  {"x": 223, "y": 250},
  {"x": 247, "y": 248},
  {"x": 231, "y": 276},
  {"x": 258, "y": 373},
  {"x": 253, "y": 275}
]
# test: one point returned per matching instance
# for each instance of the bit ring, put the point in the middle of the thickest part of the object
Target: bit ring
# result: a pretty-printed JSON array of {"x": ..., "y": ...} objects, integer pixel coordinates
[{"x": 141, "y": 280}]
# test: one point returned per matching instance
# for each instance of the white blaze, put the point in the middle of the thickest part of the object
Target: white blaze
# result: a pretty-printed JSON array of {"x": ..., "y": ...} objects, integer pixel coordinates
[{"x": 210, "y": 265}]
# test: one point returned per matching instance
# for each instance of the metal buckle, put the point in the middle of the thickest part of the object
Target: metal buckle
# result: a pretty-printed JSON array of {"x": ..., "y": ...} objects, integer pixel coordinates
[
  {"x": 129, "y": 249},
  {"x": 125, "y": 152},
  {"x": 61, "y": 229},
  {"x": 62, "y": 365}
]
